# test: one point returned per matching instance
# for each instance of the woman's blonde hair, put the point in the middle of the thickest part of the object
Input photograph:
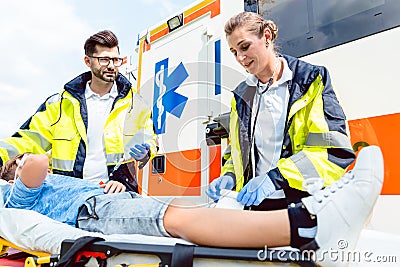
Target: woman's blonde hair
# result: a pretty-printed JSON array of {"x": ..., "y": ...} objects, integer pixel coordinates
[{"x": 252, "y": 22}]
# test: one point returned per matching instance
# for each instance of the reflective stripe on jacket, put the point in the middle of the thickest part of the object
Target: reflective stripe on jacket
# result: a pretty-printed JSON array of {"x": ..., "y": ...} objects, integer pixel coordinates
[
  {"x": 315, "y": 142},
  {"x": 60, "y": 125}
]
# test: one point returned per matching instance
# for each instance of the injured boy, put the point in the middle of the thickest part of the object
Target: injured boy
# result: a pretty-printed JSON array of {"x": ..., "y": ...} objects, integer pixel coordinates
[{"x": 316, "y": 223}]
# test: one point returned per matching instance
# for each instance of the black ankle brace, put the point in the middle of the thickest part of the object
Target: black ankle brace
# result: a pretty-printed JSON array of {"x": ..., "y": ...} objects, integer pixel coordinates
[{"x": 300, "y": 220}]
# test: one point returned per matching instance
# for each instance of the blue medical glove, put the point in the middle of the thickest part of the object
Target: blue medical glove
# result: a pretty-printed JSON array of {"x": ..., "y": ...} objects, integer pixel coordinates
[
  {"x": 223, "y": 182},
  {"x": 256, "y": 190},
  {"x": 139, "y": 152}
]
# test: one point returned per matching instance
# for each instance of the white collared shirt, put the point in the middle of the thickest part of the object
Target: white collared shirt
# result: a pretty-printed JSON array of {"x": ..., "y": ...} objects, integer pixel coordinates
[
  {"x": 271, "y": 120},
  {"x": 98, "y": 109}
]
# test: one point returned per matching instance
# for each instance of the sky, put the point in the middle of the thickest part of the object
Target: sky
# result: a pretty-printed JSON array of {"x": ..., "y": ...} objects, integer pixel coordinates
[{"x": 42, "y": 45}]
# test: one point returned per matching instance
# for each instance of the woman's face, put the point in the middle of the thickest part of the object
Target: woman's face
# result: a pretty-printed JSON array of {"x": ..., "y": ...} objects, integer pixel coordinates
[{"x": 249, "y": 50}]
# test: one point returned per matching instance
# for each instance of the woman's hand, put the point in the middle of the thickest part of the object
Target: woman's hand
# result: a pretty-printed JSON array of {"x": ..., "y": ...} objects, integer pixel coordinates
[
  {"x": 256, "y": 190},
  {"x": 223, "y": 182}
]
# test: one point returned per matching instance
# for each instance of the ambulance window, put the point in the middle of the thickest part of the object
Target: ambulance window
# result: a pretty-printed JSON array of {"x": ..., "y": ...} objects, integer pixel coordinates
[
  {"x": 290, "y": 16},
  {"x": 310, "y": 26},
  {"x": 326, "y": 12}
]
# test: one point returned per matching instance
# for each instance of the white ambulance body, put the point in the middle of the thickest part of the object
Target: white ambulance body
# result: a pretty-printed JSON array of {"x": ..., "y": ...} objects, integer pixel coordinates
[{"x": 186, "y": 73}]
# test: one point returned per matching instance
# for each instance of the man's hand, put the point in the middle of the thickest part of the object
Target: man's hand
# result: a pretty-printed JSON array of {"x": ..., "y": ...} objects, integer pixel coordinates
[
  {"x": 139, "y": 152},
  {"x": 256, "y": 190},
  {"x": 112, "y": 187}
]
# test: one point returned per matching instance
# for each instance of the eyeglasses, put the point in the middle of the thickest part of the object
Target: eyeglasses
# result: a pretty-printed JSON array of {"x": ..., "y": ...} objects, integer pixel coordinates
[{"x": 105, "y": 61}]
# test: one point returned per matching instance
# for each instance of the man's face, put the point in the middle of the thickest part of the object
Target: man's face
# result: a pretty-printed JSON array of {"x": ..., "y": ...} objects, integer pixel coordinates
[{"x": 107, "y": 73}]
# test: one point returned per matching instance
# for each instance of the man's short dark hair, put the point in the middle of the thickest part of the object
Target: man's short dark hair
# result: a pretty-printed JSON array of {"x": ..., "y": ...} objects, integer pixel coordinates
[{"x": 103, "y": 38}]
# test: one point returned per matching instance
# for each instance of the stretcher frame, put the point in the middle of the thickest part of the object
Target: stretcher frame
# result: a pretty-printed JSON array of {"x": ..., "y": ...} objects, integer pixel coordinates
[
  {"x": 32, "y": 258},
  {"x": 168, "y": 255},
  {"x": 182, "y": 255}
]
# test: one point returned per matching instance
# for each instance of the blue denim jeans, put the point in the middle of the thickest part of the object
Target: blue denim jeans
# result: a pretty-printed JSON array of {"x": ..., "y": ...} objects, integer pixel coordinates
[{"x": 123, "y": 213}]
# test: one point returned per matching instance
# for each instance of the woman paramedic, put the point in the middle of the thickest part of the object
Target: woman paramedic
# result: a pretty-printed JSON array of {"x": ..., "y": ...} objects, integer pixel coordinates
[{"x": 286, "y": 125}]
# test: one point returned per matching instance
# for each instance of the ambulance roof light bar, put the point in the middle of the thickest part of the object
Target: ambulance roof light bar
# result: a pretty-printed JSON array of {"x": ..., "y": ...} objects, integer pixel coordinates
[{"x": 175, "y": 22}]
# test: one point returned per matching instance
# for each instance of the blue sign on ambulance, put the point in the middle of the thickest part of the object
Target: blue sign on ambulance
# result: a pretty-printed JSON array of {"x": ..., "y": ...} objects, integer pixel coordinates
[{"x": 165, "y": 98}]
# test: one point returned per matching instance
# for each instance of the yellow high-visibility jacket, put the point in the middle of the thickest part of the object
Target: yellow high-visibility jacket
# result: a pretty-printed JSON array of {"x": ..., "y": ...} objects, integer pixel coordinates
[
  {"x": 60, "y": 125},
  {"x": 315, "y": 142}
]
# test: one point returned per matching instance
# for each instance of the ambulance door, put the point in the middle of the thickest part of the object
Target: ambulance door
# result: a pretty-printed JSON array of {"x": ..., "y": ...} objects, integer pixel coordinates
[{"x": 175, "y": 80}]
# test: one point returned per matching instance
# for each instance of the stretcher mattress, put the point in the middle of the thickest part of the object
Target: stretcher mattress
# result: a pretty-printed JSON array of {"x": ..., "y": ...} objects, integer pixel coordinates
[{"x": 32, "y": 231}]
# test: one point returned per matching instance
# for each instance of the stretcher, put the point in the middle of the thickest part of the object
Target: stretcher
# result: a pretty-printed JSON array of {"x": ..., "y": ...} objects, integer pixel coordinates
[
  {"x": 131, "y": 254},
  {"x": 46, "y": 241},
  {"x": 14, "y": 256},
  {"x": 111, "y": 253}
]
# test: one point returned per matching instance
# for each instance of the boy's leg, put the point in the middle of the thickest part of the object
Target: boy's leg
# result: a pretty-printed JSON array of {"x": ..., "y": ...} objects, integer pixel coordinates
[
  {"x": 340, "y": 210},
  {"x": 226, "y": 227},
  {"x": 123, "y": 213}
]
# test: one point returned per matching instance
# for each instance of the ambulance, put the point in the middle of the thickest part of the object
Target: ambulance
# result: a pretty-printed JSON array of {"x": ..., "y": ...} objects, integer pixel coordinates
[{"x": 186, "y": 72}]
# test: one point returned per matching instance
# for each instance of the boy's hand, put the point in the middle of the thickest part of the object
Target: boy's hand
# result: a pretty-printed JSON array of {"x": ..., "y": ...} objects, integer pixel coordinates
[{"x": 112, "y": 187}]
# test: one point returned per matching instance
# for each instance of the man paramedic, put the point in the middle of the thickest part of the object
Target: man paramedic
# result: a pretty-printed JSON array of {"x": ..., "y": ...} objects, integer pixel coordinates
[
  {"x": 335, "y": 213},
  {"x": 83, "y": 124}
]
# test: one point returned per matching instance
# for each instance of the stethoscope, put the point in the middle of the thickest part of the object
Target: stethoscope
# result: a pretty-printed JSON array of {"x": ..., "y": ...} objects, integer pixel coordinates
[{"x": 260, "y": 93}]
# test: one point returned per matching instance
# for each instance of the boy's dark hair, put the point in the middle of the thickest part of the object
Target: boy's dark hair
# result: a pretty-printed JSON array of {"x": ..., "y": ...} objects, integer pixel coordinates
[
  {"x": 8, "y": 169},
  {"x": 103, "y": 38}
]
